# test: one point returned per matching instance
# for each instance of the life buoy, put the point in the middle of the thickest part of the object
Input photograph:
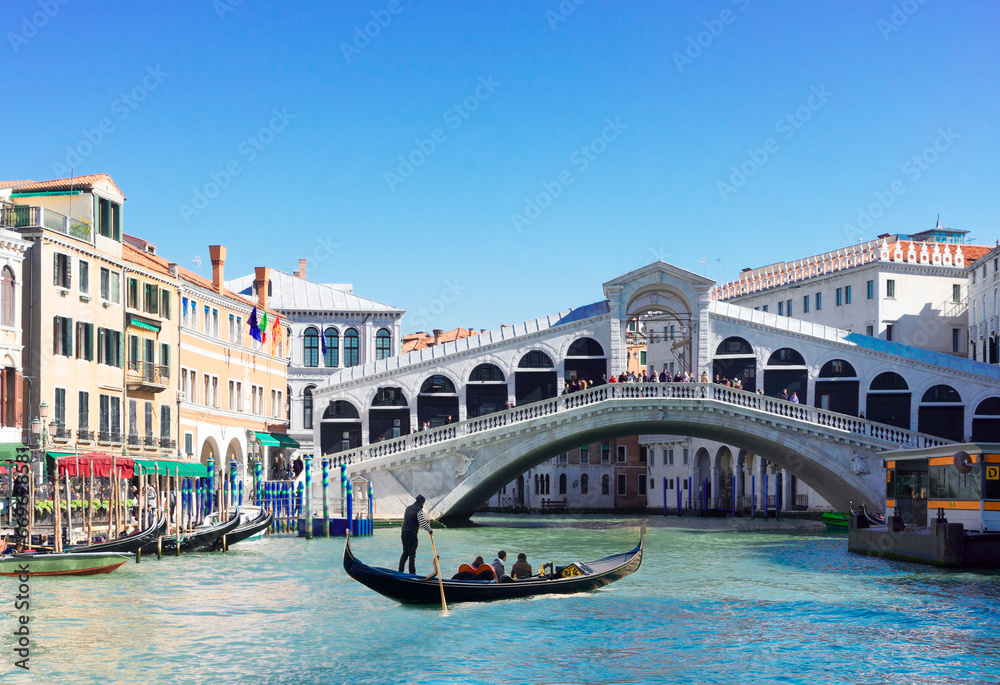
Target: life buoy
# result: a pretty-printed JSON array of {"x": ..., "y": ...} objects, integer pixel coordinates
[{"x": 963, "y": 462}]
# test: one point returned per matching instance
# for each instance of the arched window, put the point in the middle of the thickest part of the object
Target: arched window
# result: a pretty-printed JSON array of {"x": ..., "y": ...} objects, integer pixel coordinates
[
  {"x": 383, "y": 344},
  {"x": 486, "y": 373},
  {"x": 837, "y": 368},
  {"x": 351, "y": 347},
  {"x": 584, "y": 484},
  {"x": 437, "y": 384},
  {"x": 734, "y": 345},
  {"x": 310, "y": 347},
  {"x": 288, "y": 404},
  {"x": 562, "y": 483},
  {"x": 341, "y": 409},
  {"x": 535, "y": 360},
  {"x": 786, "y": 356},
  {"x": 889, "y": 381},
  {"x": 307, "y": 407},
  {"x": 605, "y": 484},
  {"x": 7, "y": 297},
  {"x": 941, "y": 393},
  {"x": 331, "y": 340},
  {"x": 585, "y": 347},
  {"x": 537, "y": 486},
  {"x": 989, "y": 407},
  {"x": 389, "y": 397}
]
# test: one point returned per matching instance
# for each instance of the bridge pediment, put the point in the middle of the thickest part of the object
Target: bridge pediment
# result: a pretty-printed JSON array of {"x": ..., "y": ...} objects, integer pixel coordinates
[{"x": 657, "y": 286}]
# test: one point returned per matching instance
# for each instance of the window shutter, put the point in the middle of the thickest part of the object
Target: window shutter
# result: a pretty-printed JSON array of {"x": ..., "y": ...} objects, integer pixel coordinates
[
  {"x": 69, "y": 272},
  {"x": 68, "y": 327},
  {"x": 18, "y": 399},
  {"x": 55, "y": 268}
]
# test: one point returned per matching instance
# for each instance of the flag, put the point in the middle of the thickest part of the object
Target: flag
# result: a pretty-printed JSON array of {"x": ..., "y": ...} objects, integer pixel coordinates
[
  {"x": 263, "y": 322},
  {"x": 275, "y": 334},
  {"x": 322, "y": 340},
  {"x": 252, "y": 322}
]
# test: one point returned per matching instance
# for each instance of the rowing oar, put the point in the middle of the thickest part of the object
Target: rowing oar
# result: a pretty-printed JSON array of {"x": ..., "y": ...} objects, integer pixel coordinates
[{"x": 437, "y": 564}]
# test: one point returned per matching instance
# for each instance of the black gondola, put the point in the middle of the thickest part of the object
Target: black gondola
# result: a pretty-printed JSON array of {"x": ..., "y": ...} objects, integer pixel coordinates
[
  {"x": 576, "y": 577},
  {"x": 246, "y": 530},
  {"x": 873, "y": 519},
  {"x": 131, "y": 543},
  {"x": 197, "y": 541}
]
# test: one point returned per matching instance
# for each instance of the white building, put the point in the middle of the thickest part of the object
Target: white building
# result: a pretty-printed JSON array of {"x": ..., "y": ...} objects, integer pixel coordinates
[{"x": 331, "y": 328}]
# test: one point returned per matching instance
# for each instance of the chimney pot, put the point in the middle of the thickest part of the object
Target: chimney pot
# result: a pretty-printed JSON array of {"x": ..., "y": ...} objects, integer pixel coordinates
[
  {"x": 218, "y": 255},
  {"x": 302, "y": 268},
  {"x": 172, "y": 268},
  {"x": 262, "y": 280},
  {"x": 437, "y": 335}
]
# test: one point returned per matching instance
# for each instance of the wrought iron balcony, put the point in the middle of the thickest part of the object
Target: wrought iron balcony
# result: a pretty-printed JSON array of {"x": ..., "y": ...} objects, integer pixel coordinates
[
  {"x": 167, "y": 443},
  {"x": 133, "y": 439},
  {"x": 105, "y": 436},
  {"x": 83, "y": 435},
  {"x": 150, "y": 441},
  {"x": 146, "y": 376},
  {"x": 61, "y": 434}
]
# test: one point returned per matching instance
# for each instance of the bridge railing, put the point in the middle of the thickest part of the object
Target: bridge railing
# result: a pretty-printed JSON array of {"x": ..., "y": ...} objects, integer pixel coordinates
[{"x": 631, "y": 391}]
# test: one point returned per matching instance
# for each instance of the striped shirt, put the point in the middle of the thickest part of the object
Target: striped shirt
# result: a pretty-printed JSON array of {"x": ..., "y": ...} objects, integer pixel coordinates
[{"x": 422, "y": 521}]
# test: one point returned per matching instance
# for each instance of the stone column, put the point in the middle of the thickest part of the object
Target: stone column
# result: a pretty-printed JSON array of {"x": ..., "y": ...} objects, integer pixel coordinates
[
  {"x": 761, "y": 495},
  {"x": 714, "y": 499},
  {"x": 786, "y": 496}
]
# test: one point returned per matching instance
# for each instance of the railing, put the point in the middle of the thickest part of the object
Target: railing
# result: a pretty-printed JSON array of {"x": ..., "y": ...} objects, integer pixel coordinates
[
  {"x": 62, "y": 434},
  {"x": 133, "y": 439},
  {"x": 146, "y": 372},
  {"x": 104, "y": 436},
  {"x": 694, "y": 392},
  {"x": 167, "y": 443},
  {"x": 30, "y": 217},
  {"x": 150, "y": 441},
  {"x": 83, "y": 435}
]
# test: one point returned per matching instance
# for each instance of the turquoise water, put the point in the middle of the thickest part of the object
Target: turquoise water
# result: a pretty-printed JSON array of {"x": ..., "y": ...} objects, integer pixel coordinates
[{"x": 709, "y": 605}]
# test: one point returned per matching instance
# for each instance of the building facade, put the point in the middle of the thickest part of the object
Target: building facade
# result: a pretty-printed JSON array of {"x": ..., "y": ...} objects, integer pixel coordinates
[{"x": 12, "y": 404}]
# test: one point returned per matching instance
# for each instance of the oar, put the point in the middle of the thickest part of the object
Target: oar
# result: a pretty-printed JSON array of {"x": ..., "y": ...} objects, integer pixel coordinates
[{"x": 437, "y": 564}]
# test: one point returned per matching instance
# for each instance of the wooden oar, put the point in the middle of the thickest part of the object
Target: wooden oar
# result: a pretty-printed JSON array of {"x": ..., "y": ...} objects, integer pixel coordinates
[{"x": 437, "y": 564}]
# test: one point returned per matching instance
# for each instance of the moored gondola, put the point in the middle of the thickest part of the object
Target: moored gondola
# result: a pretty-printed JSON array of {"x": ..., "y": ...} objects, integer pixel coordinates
[
  {"x": 571, "y": 579},
  {"x": 130, "y": 543},
  {"x": 197, "y": 541},
  {"x": 245, "y": 530}
]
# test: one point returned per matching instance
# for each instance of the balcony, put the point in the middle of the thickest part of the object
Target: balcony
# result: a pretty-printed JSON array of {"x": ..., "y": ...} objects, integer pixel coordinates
[
  {"x": 147, "y": 377},
  {"x": 167, "y": 444},
  {"x": 133, "y": 440},
  {"x": 107, "y": 437},
  {"x": 62, "y": 434},
  {"x": 40, "y": 217},
  {"x": 150, "y": 442},
  {"x": 83, "y": 435}
]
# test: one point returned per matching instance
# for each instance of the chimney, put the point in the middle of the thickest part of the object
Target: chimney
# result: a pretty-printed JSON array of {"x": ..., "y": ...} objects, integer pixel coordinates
[
  {"x": 437, "y": 335},
  {"x": 218, "y": 255},
  {"x": 172, "y": 267},
  {"x": 262, "y": 280},
  {"x": 301, "y": 273}
]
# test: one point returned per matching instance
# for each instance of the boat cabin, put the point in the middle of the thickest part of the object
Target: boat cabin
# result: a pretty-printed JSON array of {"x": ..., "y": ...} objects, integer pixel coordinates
[{"x": 961, "y": 480}]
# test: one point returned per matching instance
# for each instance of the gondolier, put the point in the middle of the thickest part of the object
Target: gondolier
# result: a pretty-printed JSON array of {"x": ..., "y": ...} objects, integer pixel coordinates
[{"x": 413, "y": 520}]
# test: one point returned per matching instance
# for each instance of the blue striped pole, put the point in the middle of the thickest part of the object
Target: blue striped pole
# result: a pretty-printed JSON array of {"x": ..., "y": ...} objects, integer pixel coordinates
[
  {"x": 326, "y": 497},
  {"x": 753, "y": 495},
  {"x": 350, "y": 507},
  {"x": 371, "y": 509},
  {"x": 258, "y": 483},
  {"x": 664, "y": 496},
  {"x": 777, "y": 495},
  {"x": 343, "y": 488},
  {"x": 704, "y": 506},
  {"x": 678, "y": 495},
  {"x": 241, "y": 492},
  {"x": 232, "y": 481},
  {"x": 690, "y": 488},
  {"x": 734, "y": 495},
  {"x": 209, "y": 495},
  {"x": 764, "y": 496},
  {"x": 307, "y": 460}
]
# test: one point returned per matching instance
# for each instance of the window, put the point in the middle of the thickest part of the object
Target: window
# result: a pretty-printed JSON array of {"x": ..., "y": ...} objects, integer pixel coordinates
[
  {"x": 605, "y": 453},
  {"x": 585, "y": 455},
  {"x": 184, "y": 312},
  {"x": 839, "y": 297},
  {"x": 207, "y": 325},
  {"x": 890, "y": 289},
  {"x": 109, "y": 347},
  {"x": 670, "y": 457},
  {"x": 685, "y": 455},
  {"x": 331, "y": 355},
  {"x": 165, "y": 355},
  {"x": 150, "y": 298},
  {"x": 819, "y": 301},
  {"x": 584, "y": 484},
  {"x": 847, "y": 294},
  {"x": 605, "y": 484},
  {"x": 642, "y": 358},
  {"x": 383, "y": 344},
  {"x": 764, "y": 308},
  {"x": 61, "y": 269},
  {"x": 232, "y": 328},
  {"x": 956, "y": 293},
  {"x": 889, "y": 330},
  {"x": 622, "y": 484},
  {"x": 870, "y": 290},
  {"x": 7, "y": 297},
  {"x": 642, "y": 455},
  {"x": 310, "y": 347},
  {"x": 781, "y": 309},
  {"x": 215, "y": 391},
  {"x": 132, "y": 295},
  {"x": 869, "y": 331},
  {"x": 62, "y": 336},
  {"x": 148, "y": 423},
  {"x": 955, "y": 340},
  {"x": 109, "y": 417},
  {"x": 562, "y": 483},
  {"x": 164, "y": 303},
  {"x": 189, "y": 443},
  {"x": 84, "y": 277},
  {"x": 642, "y": 485},
  {"x": 232, "y": 395},
  {"x": 109, "y": 219},
  {"x": 307, "y": 408},
  {"x": 164, "y": 421},
  {"x": 805, "y": 304},
  {"x": 351, "y": 347},
  {"x": 60, "y": 414},
  {"x": 215, "y": 323},
  {"x": 83, "y": 412},
  {"x": 133, "y": 350},
  {"x": 85, "y": 341},
  {"x": 621, "y": 453}
]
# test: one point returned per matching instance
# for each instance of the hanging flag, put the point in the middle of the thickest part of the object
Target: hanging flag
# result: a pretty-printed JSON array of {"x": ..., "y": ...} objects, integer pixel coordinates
[
  {"x": 275, "y": 334},
  {"x": 322, "y": 340},
  {"x": 252, "y": 322},
  {"x": 263, "y": 322}
]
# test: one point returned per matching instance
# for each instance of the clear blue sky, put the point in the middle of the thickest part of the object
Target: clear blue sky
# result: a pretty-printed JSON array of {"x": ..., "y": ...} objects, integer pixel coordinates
[{"x": 200, "y": 79}]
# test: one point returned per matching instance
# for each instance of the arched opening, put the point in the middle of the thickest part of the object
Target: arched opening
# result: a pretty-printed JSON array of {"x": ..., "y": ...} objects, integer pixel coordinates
[
  {"x": 383, "y": 344},
  {"x": 437, "y": 403},
  {"x": 585, "y": 360},
  {"x": 7, "y": 297},
  {"x": 838, "y": 387},
  {"x": 986, "y": 421},
  {"x": 351, "y": 348},
  {"x": 310, "y": 347},
  {"x": 307, "y": 407},
  {"x": 331, "y": 347},
  {"x": 340, "y": 427},
  {"x": 888, "y": 400},
  {"x": 535, "y": 378},
  {"x": 724, "y": 460},
  {"x": 735, "y": 359},
  {"x": 562, "y": 483},
  {"x": 941, "y": 413},
  {"x": 786, "y": 374},
  {"x": 389, "y": 416},
  {"x": 702, "y": 475},
  {"x": 486, "y": 391},
  {"x": 584, "y": 484}
]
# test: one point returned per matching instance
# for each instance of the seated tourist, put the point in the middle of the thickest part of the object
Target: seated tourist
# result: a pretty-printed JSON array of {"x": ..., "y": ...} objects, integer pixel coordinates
[{"x": 521, "y": 568}]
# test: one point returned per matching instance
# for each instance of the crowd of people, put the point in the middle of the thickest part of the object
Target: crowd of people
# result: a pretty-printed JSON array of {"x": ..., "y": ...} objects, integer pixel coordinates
[{"x": 634, "y": 377}]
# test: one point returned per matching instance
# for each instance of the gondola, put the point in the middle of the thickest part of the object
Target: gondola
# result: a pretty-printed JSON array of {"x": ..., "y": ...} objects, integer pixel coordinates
[
  {"x": 130, "y": 543},
  {"x": 873, "y": 519},
  {"x": 197, "y": 541},
  {"x": 573, "y": 578},
  {"x": 246, "y": 530},
  {"x": 82, "y": 564}
]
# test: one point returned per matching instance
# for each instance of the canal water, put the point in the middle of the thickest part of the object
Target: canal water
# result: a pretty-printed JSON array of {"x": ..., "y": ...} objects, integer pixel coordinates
[{"x": 779, "y": 603}]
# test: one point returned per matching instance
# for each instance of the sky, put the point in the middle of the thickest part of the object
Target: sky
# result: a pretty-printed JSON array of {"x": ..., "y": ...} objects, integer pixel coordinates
[{"x": 486, "y": 162}]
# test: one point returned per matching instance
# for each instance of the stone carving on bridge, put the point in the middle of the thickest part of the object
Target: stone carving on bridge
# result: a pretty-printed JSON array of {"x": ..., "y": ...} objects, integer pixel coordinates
[
  {"x": 465, "y": 462},
  {"x": 859, "y": 463}
]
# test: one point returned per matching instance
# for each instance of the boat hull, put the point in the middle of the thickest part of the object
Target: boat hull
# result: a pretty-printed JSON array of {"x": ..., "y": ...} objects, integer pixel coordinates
[{"x": 79, "y": 564}]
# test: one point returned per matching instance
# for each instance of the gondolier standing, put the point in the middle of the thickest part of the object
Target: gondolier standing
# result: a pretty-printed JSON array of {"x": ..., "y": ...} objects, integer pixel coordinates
[{"x": 413, "y": 519}]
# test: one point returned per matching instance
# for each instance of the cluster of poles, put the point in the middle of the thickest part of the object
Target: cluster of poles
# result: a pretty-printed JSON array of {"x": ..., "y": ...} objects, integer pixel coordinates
[{"x": 704, "y": 496}]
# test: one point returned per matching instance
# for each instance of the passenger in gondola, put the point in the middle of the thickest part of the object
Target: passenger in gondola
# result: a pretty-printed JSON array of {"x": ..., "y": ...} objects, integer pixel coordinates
[
  {"x": 499, "y": 562},
  {"x": 521, "y": 568}
]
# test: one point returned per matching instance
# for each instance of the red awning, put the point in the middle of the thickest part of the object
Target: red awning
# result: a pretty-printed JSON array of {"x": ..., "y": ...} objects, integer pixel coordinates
[{"x": 100, "y": 463}]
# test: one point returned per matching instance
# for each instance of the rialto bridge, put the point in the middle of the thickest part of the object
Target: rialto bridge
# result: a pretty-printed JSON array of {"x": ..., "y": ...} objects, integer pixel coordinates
[{"x": 457, "y": 421}]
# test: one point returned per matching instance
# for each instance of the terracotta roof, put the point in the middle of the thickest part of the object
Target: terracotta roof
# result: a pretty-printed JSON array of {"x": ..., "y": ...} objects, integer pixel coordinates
[
  {"x": 14, "y": 184},
  {"x": 75, "y": 182},
  {"x": 421, "y": 340},
  {"x": 144, "y": 259}
]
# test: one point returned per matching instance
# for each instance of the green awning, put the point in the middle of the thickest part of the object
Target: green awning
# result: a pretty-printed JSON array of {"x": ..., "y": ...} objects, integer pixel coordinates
[
  {"x": 8, "y": 451},
  {"x": 286, "y": 441},
  {"x": 267, "y": 440},
  {"x": 165, "y": 467},
  {"x": 56, "y": 455},
  {"x": 132, "y": 321}
]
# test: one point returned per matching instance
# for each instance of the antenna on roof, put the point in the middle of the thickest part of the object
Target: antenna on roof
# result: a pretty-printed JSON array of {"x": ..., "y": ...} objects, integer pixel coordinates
[
  {"x": 939, "y": 222},
  {"x": 72, "y": 175}
]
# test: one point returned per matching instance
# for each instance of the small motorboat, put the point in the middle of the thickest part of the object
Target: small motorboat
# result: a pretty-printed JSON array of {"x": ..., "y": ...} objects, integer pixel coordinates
[
  {"x": 835, "y": 521},
  {"x": 569, "y": 579},
  {"x": 79, "y": 564}
]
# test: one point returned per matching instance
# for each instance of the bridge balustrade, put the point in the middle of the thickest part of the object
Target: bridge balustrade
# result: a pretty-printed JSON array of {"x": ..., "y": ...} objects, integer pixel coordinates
[{"x": 631, "y": 391}]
